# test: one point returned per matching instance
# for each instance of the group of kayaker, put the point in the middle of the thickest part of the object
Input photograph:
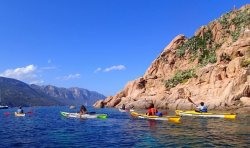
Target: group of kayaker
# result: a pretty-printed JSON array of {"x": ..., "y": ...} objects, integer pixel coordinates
[
  {"x": 154, "y": 112},
  {"x": 83, "y": 110}
]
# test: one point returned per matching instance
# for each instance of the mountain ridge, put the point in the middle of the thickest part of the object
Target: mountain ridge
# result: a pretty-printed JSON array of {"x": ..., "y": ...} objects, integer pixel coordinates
[{"x": 16, "y": 93}]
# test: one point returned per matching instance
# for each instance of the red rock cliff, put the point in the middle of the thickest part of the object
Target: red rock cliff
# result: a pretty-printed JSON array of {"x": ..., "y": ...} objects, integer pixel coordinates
[{"x": 213, "y": 66}]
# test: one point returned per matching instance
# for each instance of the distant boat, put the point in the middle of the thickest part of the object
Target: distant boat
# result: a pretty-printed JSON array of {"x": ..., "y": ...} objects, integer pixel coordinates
[
  {"x": 72, "y": 107},
  {"x": 2, "y": 106}
]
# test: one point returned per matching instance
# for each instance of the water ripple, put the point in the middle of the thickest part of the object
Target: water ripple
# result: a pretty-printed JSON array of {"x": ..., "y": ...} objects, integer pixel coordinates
[{"x": 46, "y": 128}]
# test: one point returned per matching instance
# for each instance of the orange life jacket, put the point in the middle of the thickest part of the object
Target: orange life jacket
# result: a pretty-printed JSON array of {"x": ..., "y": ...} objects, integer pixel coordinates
[{"x": 152, "y": 111}]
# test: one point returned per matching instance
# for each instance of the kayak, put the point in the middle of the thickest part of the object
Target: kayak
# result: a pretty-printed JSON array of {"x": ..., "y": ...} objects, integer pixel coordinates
[
  {"x": 19, "y": 115},
  {"x": 206, "y": 114},
  {"x": 166, "y": 118},
  {"x": 123, "y": 110},
  {"x": 85, "y": 116}
]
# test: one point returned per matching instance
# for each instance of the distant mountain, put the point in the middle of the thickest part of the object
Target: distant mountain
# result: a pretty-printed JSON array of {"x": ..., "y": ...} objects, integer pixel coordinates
[
  {"x": 16, "y": 93},
  {"x": 71, "y": 96}
]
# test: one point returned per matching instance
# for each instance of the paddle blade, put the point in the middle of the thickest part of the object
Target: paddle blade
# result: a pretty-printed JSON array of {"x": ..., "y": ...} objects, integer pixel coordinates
[
  {"x": 174, "y": 119},
  {"x": 189, "y": 99},
  {"x": 91, "y": 113},
  {"x": 7, "y": 113}
]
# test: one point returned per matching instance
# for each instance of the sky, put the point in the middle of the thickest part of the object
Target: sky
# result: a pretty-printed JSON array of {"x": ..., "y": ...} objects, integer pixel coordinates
[{"x": 98, "y": 45}]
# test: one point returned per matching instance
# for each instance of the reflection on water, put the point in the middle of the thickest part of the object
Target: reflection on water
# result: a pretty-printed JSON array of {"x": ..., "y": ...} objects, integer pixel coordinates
[
  {"x": 46, "y": 128},
  {"x": 200, "y": 132}
]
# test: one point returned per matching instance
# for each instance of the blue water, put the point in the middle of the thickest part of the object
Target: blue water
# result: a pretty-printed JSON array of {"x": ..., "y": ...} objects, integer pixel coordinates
[{"x": 46, "y": 128}]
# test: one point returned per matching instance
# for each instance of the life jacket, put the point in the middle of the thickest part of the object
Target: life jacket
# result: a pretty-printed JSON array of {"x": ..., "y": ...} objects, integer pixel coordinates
[
  {"x": 20, "y": 111},
  {"x": 159, "y": 114},
  {"x": 152, "y": 111},
  {"x": 203, "y": 108}
]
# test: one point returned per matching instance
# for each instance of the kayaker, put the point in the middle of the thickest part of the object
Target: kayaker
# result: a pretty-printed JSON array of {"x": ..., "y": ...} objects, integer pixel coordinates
[
  {"x": 201, "y": 108},
  {"x": 20, "y": 110},
  {"x": 123, "y": 107},
  {"x": 83, "y": 110},
  {"x": 152, "y": 111}
]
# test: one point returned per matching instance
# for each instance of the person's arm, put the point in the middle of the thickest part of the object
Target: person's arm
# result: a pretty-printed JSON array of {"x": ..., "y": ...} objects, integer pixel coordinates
[
  {"x": 198, "y": 108},
  {"x": 148, "y": 111}
]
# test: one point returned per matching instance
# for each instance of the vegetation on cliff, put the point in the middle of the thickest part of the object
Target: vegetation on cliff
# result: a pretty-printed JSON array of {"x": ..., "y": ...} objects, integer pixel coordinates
[
  {"x": 201, "y": 47},
  {"x": 239, "y": 21},
  {"x": 180, "y": 77}
]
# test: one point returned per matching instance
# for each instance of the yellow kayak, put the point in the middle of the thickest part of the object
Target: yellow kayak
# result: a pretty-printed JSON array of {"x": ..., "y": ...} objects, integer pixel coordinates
[
  {"x": 19, "y": 115},
  {"x": 206, "y": 114},
  {"x": 144, "y": 116}
]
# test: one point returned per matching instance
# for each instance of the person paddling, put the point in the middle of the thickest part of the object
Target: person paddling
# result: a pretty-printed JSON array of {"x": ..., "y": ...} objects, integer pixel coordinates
[
  {"x": 152, "y": 111},
  {"x": 201, "y": 108},
  {"x": 123, "y": 107},
  {"x": 20, "y": 110},
  {"x": 83, "y": 110}
]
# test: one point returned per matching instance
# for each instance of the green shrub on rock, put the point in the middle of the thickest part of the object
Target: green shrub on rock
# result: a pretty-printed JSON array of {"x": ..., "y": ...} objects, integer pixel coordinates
[
  {"x": 245, "y": 63},
  {"x": 180, "y": 77}
]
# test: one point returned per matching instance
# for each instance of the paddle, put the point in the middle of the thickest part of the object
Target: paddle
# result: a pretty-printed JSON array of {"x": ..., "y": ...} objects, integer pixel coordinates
[
  {"x": 174, "y": 119},
  {"x": 30, "y": 112},
  {"x": 91, "y": 113},
  {"x": 7, "y": 113},
  {"x": 165, "y": 113},
  {"x": 189, "y": 99}
]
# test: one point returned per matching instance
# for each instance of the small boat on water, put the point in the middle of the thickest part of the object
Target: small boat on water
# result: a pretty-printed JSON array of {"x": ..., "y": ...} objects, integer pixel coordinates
[
  {"x": 4, "y": 107},
  {"x": 84, "y": 116},
  {"x": 122, "y": 110},
  {"x": 125, "y": 110},
  {"x": 166, "y": 118},
  {"x": 205, "y": 114},
  {"x": 19, "y": 115},
  {"x": 72, "y": 107}
]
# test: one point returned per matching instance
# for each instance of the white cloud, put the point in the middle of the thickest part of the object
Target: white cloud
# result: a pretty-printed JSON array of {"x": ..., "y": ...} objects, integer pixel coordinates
[
  {"x": 49, "y": 68},
  {"x": 118, "y": 67},
  {"x": 27, "y": 74},
  {"x": 70, "y": 77},
  {"x": 97, "y": 70},
  {"x": 37, "y": 82}
]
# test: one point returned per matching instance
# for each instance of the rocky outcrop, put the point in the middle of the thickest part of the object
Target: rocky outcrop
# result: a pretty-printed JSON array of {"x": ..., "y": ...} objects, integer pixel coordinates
[{"x": 213, "y": 66}]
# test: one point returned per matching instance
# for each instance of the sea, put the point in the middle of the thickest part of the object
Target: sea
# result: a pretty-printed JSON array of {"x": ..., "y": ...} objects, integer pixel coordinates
[{"x": 45, "y": 127}]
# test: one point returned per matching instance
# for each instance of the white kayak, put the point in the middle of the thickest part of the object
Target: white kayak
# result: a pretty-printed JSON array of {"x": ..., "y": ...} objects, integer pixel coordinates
[
  {"x": 84, "y": 116},
  {"x": 207, "y": 114},
  {"x": 19, "y": 115}
]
